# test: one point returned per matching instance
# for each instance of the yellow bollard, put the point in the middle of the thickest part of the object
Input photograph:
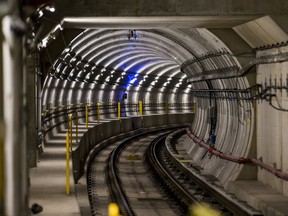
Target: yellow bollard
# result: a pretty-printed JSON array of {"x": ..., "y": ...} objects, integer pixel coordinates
[
  {"x": 70, "y": 131},
  {"x": 140, "y": 108},
  {"x": 86, "y": 114},
  {"x": 202, "y": 209},
  {"x": 98, "y": 112},
  {"x": 67, "y": 165},
  {"x": 194, "y": 106},
  {"x": 119, "y": 111},
  {"x": 76, "y": 126},
  {"x": 167, "y": 110},
  {"x": 113, "y": 209}
]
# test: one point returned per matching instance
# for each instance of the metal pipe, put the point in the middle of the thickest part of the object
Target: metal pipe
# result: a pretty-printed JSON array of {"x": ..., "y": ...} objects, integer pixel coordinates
[
  {"x": 241, "y": 160},
  {"x": 16, "y": 171},
  {"x": 276, "y": 172},
  {"x": 38, "y": 89},
  {"x": 154, "y": 22},
  {"x": 2, "y": 186},
  {"x": 2, "y": 132}
]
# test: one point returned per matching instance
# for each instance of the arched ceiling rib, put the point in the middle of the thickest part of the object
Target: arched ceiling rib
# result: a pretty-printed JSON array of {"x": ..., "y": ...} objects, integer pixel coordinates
[
  {"x": 111, "y": 57},
  {"x": 142, "y": 58}
]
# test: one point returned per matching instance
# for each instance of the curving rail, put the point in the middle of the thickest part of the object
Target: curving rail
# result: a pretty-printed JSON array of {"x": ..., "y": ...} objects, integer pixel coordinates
[
  {"x": 181, "y": 185},
  {"x": 115, "y": 186},
  {"x": 187, "y": 183},
  {"x": 170, "y": 180},
  {"x": 207, "y": 184},
  {"x": 116, "y": 191}
]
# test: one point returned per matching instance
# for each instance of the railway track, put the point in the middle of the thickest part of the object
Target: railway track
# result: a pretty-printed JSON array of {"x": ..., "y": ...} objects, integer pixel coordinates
[
  {"x": 126, "y": 178},
  {"x": 188, "y": 184},
  {"x": 117, "y": 193},
  {"x": 119, "y": 174}
]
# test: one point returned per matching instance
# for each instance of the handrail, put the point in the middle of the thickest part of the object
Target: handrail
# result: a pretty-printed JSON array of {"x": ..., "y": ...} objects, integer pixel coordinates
[{"x": 106, "y": 109}]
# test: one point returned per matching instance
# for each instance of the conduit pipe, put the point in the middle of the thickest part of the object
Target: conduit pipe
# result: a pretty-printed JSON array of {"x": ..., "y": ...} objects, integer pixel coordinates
[
  {"x": 236, "y": 159},
  {"x": 14, "y": 104}
]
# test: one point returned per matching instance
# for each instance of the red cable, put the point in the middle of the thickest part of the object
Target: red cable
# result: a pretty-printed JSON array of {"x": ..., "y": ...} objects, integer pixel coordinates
[{"x": 235, "y": 159}]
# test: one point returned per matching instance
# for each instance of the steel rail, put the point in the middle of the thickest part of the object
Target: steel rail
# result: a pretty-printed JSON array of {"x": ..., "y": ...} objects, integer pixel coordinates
[
  {"x": 170, "y": 180},
  {"x": 117, "y": 193}
]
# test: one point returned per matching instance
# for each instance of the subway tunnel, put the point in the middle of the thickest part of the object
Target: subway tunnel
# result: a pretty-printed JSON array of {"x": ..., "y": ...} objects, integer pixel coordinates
[
  {"x": 220, "y": 68},
  {"x": 102, "y": 66}
]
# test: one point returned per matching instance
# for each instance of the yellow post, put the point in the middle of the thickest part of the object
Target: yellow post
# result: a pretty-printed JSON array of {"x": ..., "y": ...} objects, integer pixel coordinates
[
  {"x": 67, "y": 165},
  {"x": 140, "y": 108},
  {"x": 76, "y": 126},
  {"x": 113, "y": 209},
  {"x": 119, "y": 111},
  {"x": 194, "y": 106},
  {"x": 70, "y": 131},
  {"x": 86, "y": 114},
  {"x": 98, "y": 112},
  {"x": 167, "y": 110}
]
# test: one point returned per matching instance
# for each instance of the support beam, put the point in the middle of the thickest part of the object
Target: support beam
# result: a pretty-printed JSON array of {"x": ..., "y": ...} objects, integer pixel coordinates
[
  {"x": 33, "y": 127},
  {"x": 2, "y": 186},
  {"x": 16, "y": 172},
  {"x": 155, "y": 22},
  {"x": 2, "y": 132}
]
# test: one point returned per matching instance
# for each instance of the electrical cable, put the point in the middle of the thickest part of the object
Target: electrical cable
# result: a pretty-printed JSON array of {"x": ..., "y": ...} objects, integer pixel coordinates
[
  {"x": 236, "y": 159},
  {"x": 279, "y": 106},
  {"x": 237, "y": 94}
]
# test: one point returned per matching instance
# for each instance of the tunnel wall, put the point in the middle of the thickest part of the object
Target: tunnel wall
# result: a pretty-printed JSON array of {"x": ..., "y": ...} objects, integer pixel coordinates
[
  {"x": 234, "y": 131},
  {"x": 272, "y": 120},
  {"x": 57, "y": 92}
]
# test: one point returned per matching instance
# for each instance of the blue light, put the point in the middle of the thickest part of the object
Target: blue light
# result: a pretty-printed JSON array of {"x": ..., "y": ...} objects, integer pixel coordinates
[
  {"x": 136, "y": 68},
  {"x": 133, "y": 80},
  {"x": 130, "y": 77}
]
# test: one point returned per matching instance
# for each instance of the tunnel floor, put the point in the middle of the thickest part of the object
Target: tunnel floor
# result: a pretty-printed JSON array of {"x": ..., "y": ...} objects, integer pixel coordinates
[{"x": 47, "y": 183}]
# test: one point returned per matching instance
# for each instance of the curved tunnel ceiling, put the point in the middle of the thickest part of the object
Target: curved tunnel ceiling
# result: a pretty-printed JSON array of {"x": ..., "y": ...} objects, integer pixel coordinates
[
  {"x": 121, "y": 57},
  {"x": 142, "y": 58}
]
